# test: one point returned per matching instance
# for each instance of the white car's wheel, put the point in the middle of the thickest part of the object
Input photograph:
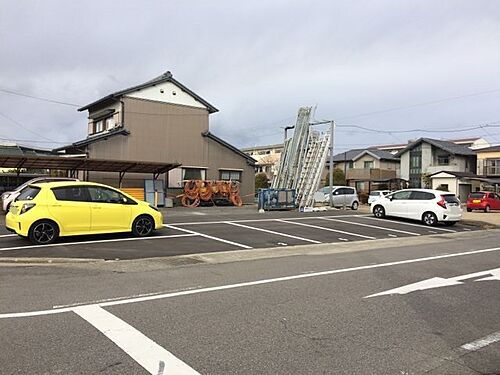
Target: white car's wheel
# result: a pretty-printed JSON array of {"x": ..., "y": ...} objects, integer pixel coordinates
[
  {"x": 354, "y": 206},
  {"x": 379, "y": 211},
  {"x": 429, "y": 218}
]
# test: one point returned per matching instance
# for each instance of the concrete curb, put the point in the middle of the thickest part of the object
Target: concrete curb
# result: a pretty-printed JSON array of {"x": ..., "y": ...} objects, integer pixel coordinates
[{"x": 47, "y": 261}]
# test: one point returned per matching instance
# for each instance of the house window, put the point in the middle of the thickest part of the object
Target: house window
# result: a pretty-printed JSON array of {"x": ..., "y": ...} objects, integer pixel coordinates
[
  {"x": 193, "y": 174},
  {"x": 99, "y": 126},
  {"x": 110, "y": 123},
  {"x": 351, "y": 164},
  {"x": 443, "y": 187},
  {"x": 492, "y": 167},
  {"x": 443, "y": 159},
  {"x": 228, "y": 175},
  {"x": 368, "y": 164}
]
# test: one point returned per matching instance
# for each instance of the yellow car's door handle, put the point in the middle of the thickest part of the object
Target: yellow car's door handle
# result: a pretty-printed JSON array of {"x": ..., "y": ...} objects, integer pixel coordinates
[{"x": 96, "y": 208}]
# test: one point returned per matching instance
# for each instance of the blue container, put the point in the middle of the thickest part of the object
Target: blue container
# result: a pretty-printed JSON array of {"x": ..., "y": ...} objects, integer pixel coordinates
[{"x": 277, "y": 199}]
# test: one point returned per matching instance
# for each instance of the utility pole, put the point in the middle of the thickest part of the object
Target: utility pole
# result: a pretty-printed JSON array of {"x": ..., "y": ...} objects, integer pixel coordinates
[
  {"x": 290, "y": 127},
  {"x": 332, "y": 132}
]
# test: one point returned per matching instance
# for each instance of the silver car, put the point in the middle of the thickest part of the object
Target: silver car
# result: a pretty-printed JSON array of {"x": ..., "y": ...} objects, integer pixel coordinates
[
  {"x": 9, "y": 196},
  {"x": 343, "y": 196}
]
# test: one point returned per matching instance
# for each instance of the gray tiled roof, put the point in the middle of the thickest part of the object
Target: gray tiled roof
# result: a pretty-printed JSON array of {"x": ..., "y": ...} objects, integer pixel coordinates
[
  {"x": 21, "y": 150},
  {"x": 347, "y": 155},
  {"x": 447, "y": 146},
  {"x": 352, "y": 154},
  {"x": 487, "y": 149},
  {"x": 94, "y": 138},
  {"x": 165, "y": 77},
  {"x": 458, "y": 174}
]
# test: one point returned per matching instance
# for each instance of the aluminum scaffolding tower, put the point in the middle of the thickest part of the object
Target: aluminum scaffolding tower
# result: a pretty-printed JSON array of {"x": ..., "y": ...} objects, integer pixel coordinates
[{"x": 303, "y": 160}]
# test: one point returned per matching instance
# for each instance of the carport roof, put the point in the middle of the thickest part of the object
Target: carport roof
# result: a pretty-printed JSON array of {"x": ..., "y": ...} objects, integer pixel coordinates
[{"x": 84, "y": 164}]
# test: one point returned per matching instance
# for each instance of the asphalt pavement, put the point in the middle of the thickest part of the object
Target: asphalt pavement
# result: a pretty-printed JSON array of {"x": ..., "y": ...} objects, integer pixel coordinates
[
  {"x": 428, "y": 304},
  {"x": 199, "y": 234}
]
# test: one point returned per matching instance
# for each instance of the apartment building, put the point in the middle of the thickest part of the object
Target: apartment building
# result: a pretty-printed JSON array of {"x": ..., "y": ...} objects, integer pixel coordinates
[{"x": 267, "y": 158}]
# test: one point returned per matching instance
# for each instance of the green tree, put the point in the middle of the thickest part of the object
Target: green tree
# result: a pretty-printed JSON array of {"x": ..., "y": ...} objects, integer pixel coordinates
[
  {"x": 427, "y": 180},
  {"x": 261, "y": 181},
  {"x": 338, "y": 177}
]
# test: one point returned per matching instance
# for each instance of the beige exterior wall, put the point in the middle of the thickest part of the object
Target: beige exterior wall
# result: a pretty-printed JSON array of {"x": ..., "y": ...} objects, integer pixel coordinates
[
  {"x": 161, "y": 132},
  {"x": 452, "y": 183},
  {"x": 359, "y": 163},
  {"x": 482, "y": 157}
]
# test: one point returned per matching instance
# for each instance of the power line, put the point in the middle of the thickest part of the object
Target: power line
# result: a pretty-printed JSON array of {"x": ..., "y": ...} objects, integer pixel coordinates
[
  {"x": 24, "y": 127},
  {"x": 420, "y": 104},
  {"x": 10, "y": 92},
  {"x": 418, "y": 130},
  {"x": 491, "y": 135},
  {"x": 3, "y": 138}
]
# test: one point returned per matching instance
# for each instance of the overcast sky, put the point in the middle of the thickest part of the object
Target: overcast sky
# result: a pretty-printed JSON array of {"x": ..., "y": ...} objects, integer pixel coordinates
[{"x": 257, "y": 62}]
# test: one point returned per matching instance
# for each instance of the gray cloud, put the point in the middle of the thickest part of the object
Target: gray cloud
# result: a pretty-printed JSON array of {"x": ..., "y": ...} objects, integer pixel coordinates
[{"x": 257, "y": 62}]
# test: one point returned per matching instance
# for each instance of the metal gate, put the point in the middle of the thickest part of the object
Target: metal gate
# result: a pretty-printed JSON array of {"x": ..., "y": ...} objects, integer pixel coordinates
[{"x": 154, "y": 192}]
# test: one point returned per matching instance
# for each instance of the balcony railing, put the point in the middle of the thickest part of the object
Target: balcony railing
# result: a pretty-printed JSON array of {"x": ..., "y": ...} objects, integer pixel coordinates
[
  {"x": 492, "y": 171},
  {"x": 370, "y": 174}
]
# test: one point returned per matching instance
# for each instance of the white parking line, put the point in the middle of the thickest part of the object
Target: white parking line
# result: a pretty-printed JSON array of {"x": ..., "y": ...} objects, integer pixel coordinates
[
  {"x": 8, "y": 235},
  {"x": 482, "y": 342},
  {"x": 260, "y": 219},
  {"x": 272, "y": 232},
  {"x": 208, "y": 236},
  {"x": 327, "y": 229},
  {"x": 96, "y": 241},
  {"x": 371, "y": 226},
  {"x": 412, "y": 224},
  {"x": 147, "y": 353},
  {"x": 154, "y": 297}
]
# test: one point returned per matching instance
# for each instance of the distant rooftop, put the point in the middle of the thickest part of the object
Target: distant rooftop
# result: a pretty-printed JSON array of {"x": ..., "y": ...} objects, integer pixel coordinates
[
  {"x": 448, "y": 146},
  {"x": 403, "y": 145},
  {"x": 256, "y": 148},
  {"x": 15, "y": 149}
]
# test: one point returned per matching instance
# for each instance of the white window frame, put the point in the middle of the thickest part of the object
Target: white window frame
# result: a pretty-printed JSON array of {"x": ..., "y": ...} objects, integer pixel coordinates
[
  {"x": 203, "y": 173},
  {"x": 239, "y": 172},
  {"x": 109, "y": 123},
  {"x": 99, "y": 126}
]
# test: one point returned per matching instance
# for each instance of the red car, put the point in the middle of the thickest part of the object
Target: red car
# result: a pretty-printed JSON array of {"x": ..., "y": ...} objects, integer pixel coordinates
[{"x": 483, "y": 201}]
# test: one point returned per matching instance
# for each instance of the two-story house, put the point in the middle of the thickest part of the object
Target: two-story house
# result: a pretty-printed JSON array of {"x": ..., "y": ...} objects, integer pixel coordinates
[
  {"x": 427, "y": 156},
  {"x": 161, "y": 120},
  {"x": 368, "y": 169},
  {"x": 488, "y": 165}
]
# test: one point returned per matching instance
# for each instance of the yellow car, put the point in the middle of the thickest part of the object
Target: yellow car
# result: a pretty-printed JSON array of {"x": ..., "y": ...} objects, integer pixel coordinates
[{"x": 44, "y": 212}]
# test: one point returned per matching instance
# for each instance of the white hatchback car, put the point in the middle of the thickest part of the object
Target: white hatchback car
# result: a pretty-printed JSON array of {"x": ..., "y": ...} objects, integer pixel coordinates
[{"x": 429, "y": 206}]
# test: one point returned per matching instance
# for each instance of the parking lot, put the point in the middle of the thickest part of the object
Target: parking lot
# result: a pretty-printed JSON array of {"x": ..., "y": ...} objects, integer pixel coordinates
[
  {"x": 408, "y": 309},
  {"x": 191, "y": 234}
]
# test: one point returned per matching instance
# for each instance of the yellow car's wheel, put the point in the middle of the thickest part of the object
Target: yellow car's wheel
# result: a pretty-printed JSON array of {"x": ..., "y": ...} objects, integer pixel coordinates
[
  {"x": 143, "y": 226},
  {"x": 43, "y": 232}
]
